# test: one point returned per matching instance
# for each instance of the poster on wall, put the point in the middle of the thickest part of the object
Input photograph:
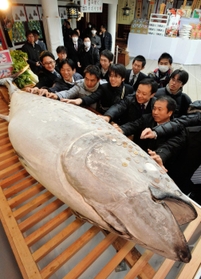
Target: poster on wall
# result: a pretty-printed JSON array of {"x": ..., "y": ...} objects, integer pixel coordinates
[
  {"x": 91, "y": 6},
  {"x": 32, "y": 13},
  {"x": 18, "y": 13},
  {"x": 123, "y": 19},
  {"x": 62, "y": 13}
]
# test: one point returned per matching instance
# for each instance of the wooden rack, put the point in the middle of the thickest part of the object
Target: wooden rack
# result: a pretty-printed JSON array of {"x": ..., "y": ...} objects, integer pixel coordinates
[{"x": 47, "y": 239}]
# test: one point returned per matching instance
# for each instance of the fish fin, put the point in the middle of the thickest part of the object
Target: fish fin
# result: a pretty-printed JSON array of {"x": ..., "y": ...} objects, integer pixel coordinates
[
  {"x": 182, "y": 209},
  {"x": 5, "y": 117}
]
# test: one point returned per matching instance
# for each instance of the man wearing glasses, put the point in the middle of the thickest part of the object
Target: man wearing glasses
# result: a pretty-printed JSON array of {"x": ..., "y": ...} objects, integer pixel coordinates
[
  {"x": 174, "y": 89},
  {"x": 47, "y": 75}
]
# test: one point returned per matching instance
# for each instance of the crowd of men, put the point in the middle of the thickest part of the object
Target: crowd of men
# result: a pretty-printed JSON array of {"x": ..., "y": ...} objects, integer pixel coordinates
[{"x": 151, "y": 109}]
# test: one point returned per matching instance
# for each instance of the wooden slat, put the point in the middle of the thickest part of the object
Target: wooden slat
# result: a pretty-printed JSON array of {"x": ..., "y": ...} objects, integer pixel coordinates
[
  {"x": 91, "y": 257},
  {"x": 27, "y": 267},
  {"x": 11, "y": 170},
  {"x": 18, "y": 187},
  {"x": 69, "y": 252},
  {"x": 25, "y": 195},
  {"x": 139, "y": 265},
  {"x": 11, "y": 180},
  {"x": 9, "y": 161},
  {"x": 132, "y": 257},
  {"x": 189, "y": 270},
  {"x": 40, "y": 215},
  {"x": 111, "y": 265},
  {"x": 55, "y": 241},
  {"x": 7, "y": 154},
  {"x": 27, "y": 208},
  {"x": 48, "y": 227}
]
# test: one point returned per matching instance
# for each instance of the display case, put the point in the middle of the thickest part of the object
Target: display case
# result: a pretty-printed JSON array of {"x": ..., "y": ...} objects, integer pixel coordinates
[{"x": 158, "y": 24}]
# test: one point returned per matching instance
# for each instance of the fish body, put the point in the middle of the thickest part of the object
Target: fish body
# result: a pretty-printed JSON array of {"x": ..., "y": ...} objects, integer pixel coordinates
[{"x": 99, "y": 173}]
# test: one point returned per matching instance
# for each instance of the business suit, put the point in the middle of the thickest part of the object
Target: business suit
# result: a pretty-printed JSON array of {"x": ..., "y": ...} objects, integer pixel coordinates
[{"x": 140, "y": 77}]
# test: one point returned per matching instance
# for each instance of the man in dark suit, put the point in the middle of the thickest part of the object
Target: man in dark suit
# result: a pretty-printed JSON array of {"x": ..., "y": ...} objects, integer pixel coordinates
[
  {"x": 134, "y": 76},
  {"x": 106, "y": 39},
  {"x": 134, "y": 105},
  {"x": 73, "y": 48}
]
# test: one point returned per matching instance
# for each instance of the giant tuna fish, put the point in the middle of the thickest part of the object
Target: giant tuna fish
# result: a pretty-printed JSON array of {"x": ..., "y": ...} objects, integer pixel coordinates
[{"x": 99, "y": 173}]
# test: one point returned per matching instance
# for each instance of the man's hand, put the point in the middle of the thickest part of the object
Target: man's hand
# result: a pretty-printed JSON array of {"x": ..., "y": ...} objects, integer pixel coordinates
[
  {"x": 33, "y": 90},
  {"x": 157, "y": 158},
  {"x": 105, "y": 117},
  {"x": 148, "y": 134},
  {"x": 73, "y": 101},
  {"x": 116, "y": 126},
  {"x": 51, "y": 95},
  {"x": 42, "y": 92}
]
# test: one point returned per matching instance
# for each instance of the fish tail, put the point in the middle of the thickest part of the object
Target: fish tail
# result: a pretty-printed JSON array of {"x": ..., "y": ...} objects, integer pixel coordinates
[{"x": 7, "y": 82}]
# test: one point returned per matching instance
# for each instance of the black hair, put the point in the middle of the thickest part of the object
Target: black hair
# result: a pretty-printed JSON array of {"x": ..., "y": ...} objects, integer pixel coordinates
[
  {"x": 151, "y": 82},
  {"x": 35, "y": 32},
  {"x": 66, "y": 21},
  {"x": 93, "y": 70},
  {"x": 108, "y": 54},
  {"x": 68, "y": 61},
  {"x": 61, "y": 49},
  {"x": 141, "y": 59},
  {"x": 182, "y": 76},
  {"x": 165, "y": 55},
  {"x": 28, "y": 32},
  {"x": 86, "y": 36},
  {"x": 104, "y": 26},
  {"x": 74, "y": 32},
  {"x": 118, "y": 69},
  {"x": 171, "y": 103},
  {"x": 46, "y": 53}
]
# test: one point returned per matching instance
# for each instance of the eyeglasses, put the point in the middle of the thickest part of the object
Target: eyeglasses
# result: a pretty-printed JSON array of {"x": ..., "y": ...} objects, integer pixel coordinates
[
  {"x": 49, "y": 63},
  {"x": 177, "y": 81}
]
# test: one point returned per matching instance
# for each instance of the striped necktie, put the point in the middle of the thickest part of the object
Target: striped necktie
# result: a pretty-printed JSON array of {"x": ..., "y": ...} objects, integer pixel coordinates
[{"x": 132, "y": 81}]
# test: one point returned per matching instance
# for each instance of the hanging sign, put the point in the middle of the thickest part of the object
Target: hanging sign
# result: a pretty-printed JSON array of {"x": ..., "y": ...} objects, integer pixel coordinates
[
  {"x": 62, "y": 13},
  {"x": 18, "y": 13},
  {"x": 32, "y": 13},
  {"x": 91, "y": 6}
]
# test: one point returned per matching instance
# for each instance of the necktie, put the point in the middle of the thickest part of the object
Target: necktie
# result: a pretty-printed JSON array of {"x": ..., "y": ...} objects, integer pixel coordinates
[
  {"x": 142, "y": 108},
  {"x": 75, "y": 46},
  {"x": 132, "y": 81},
  {"x": 56, "y": 74}
]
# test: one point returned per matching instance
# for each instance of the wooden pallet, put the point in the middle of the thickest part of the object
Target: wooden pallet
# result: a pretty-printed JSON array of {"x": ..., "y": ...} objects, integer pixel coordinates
[{"x": 48, "y": 241}]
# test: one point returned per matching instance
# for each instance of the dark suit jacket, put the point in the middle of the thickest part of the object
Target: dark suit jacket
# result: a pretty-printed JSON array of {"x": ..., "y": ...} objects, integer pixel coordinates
[
  {"x": 141, "y": 76},
  {"x": 130, "y": 107},
  {"x": 46, "y": 78},
  {"x": 72, "y": 52},
  {"x": 106, "y": 41}
]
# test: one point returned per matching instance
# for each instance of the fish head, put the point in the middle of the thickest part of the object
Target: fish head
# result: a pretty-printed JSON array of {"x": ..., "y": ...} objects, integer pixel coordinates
[{"x": 130, "y": 192}]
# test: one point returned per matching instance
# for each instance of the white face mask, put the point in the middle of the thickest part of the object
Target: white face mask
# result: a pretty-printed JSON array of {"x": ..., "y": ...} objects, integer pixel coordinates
[
  {"x": 74, "y": 39},
  {"x": 93, "y": 32},
  {"x": 163, "y": 68},
  {"x": 87, "y": 44}
]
